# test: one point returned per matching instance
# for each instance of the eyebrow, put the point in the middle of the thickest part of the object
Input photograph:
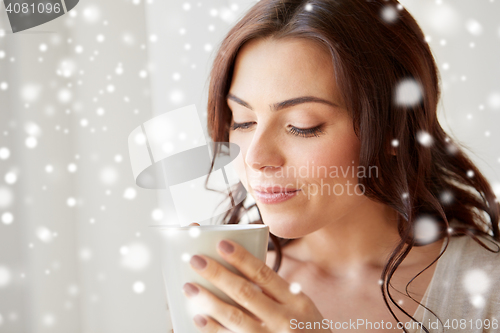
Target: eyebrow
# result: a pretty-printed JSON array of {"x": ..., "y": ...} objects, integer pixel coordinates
[{"x": 284, "y": 104}]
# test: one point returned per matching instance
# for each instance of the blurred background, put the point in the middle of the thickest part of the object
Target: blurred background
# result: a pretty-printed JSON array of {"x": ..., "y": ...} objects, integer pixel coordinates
[{"x": 76, "y": 252}]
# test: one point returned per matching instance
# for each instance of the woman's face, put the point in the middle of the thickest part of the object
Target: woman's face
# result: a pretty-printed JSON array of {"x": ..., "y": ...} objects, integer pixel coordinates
[{"x": 305, "y": 148}]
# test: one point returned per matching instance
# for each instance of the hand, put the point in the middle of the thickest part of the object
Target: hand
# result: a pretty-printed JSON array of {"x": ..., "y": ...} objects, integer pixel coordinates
[{"x": 268, "y": 311}]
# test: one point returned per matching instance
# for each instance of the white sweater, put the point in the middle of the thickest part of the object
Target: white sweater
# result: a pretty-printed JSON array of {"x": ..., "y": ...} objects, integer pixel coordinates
[{"x": 464, "y": 291}]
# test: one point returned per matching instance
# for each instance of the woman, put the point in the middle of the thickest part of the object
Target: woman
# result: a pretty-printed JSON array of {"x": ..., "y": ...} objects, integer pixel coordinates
[{"x": 379, "y": 221}]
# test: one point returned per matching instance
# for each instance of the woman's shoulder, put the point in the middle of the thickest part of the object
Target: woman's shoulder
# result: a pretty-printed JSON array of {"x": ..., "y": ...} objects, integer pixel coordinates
[
  {"x": 464, "y": 252},
  {"x": 466, "y": 283}
]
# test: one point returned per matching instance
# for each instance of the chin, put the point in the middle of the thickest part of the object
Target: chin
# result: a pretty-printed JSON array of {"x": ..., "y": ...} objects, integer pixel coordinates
[{"x": 284, "y": 227}]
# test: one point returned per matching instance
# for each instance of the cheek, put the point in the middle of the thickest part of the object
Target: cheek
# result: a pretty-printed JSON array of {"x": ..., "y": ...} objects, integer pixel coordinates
[
  {"x": 338, "y": 153},
  {"x": 239, "y": 163}
]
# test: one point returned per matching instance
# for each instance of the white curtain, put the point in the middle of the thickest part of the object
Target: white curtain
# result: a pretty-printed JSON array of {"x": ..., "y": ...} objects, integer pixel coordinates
[{"x": 76, "y": 253}]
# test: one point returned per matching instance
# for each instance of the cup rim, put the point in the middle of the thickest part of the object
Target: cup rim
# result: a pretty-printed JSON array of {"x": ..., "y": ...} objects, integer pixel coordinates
[{"x": 215, "y": 227}]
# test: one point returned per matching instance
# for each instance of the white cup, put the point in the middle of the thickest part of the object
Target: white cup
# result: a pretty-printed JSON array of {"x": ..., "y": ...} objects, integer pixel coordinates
[{"x": 179, "y": 244}]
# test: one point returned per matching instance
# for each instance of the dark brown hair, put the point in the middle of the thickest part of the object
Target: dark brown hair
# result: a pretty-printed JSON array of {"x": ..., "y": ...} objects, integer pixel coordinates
[{"x": 370, "y": 57}]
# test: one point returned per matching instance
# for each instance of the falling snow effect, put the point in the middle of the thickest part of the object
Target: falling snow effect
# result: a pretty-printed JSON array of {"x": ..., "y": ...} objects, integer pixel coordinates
[
  {"x": 71, "y": 202},
  {"x": 49, "y": 320},
  {"x": 6, "y": 197},
  {"x": 194, "y": 232},
  {"x": 408, "y": 93},
  {"x": 389, "y": 14},
  {"x": 130, "y": 193},
  {"x": 444, "y": 19},
  {"x": 10, "y": 178},
  {"x": 4, "y": 153},
  {"x": 7, "y": 218},
  {"x": 135, "y": 257},
  {"x": 295, "y": 288},
  {"x": 52, "y": 106},
  {"x": 474, "y": 27},
  {"x": 30, "y": 92},
  {"x": 139, "y": 287},
  {"x": 426, "y": 229},
  {"x": 5, "y": 276},
  {"x": 44, "y": 235},
  {"x": 446, "y": 197},
  {"x": 425, "y": 139},
  {"x": 157, "y": 214},
  {"x": 91, "y": 14},
  {"x": 477, "y": 283},
  {"x": 85, "y": 254},
  {"x": 494, "y": 100},
  {"x": 108, "y": 175}
]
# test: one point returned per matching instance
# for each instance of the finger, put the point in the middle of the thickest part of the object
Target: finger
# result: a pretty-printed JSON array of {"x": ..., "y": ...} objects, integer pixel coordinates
[
  {"x": 256, "y": 271},
  {"x": 193, "y": 224},
  {"x": 237, "y": 288},
  {"x": 220, "y": 316},
  {"x": 206, "y": 324}
]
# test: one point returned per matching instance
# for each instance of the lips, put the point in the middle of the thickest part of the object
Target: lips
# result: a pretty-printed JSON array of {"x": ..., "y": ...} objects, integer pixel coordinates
[{"x": 274, "y": 189}]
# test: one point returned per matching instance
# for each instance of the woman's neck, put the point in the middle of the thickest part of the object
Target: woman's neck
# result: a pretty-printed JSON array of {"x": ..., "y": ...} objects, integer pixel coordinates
[{"x": 362, "y": 239}]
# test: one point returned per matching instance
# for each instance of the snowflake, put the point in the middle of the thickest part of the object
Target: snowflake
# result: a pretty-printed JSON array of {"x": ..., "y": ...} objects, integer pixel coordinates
[
  {"x": 408, "y": 92},
  {"x": 130, "y": 193},
  {"x": 30, "y": 92},
  {"x": 4, "y": 153},
  {"x": 7, "y": 218},
  {"x": 44, "y": 234},
  {"x": 31, "y": 142},
  {"x": 426, "y": 229},
  {"x": 10, "y": 178},
  {"x": 85, "y": 254},
  {"x": 139, "y": 287},
  {"x": 72, "y": 167},
  {"x": 194, "y": 232},
  {"x": 108, "y": 175},
  {"x": 295, "y": 288},
  {"x": 157, "y": 214},
  {"x": 424, "y": 138},
  {"x": 48, "y": 320},
  {"x": 5, "y": 276},
  {"x": 176, "y": 96},
  {"x": 135, "y": 256},
  {"x": 389, "y": 14},
  {"x": 71, "y": 202},
  {"x": 64, "y": 95},
  {"x": 91, "y": 14},
  {"x": 476, "y": 282},
  {"x": 474, "y": 27},
  {"x": 494, "y": 100}
]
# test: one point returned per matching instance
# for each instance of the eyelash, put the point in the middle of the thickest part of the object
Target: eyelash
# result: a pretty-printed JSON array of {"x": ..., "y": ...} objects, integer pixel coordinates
[{"x": 302, "y": 132}]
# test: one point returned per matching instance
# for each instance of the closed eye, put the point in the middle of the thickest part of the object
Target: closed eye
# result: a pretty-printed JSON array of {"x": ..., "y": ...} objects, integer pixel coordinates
[{"x": 302, "y": 132}]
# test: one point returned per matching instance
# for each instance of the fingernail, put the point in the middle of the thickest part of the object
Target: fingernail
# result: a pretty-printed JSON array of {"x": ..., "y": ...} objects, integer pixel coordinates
[
  {"x": 198, "y": 262},
  {"x": 199, "y": 321},
  {"x": 190, "y": 289},
  {"x": 226, "y": 247}
]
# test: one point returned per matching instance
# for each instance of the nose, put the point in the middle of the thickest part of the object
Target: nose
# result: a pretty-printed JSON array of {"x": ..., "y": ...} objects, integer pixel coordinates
[{"x": 264, "y": 152}]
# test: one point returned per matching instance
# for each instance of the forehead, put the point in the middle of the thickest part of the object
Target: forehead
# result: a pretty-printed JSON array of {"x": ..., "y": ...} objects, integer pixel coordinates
[{"x": 276, "y": 69}]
